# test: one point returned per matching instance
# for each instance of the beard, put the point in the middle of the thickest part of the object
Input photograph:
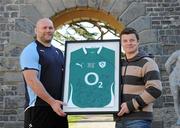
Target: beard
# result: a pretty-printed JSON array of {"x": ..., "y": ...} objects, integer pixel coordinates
[{"x": 46, "y": 40}]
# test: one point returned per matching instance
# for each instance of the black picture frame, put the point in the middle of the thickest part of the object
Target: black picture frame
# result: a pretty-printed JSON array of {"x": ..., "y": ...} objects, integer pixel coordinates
[{"x": 92, "y": 77}]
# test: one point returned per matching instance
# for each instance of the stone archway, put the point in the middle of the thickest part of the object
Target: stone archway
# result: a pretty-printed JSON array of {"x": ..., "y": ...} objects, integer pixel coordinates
[
  {"x": 113, "y": 11},
  {"x": 118, "y": 13},
  {"x": 86, "y": 13}
]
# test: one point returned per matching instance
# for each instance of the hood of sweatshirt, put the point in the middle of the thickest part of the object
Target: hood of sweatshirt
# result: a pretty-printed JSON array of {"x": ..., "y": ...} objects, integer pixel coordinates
[{"x": 139, "y": 56}]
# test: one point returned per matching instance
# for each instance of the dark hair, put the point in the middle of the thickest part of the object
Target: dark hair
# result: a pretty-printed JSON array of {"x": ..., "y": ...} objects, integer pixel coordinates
[{"x": 129, "y": 31}]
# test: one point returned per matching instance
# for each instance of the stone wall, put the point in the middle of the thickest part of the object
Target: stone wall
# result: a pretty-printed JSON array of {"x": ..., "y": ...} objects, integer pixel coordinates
[
  {"x": 157, "y": 21},
  {"x": 11, "y": 89},
  {"x": 165, "y": 16}
]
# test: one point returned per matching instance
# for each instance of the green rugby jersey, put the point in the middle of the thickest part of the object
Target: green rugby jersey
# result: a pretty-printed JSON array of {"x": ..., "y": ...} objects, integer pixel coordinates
[{"x": 91, "y": 80}]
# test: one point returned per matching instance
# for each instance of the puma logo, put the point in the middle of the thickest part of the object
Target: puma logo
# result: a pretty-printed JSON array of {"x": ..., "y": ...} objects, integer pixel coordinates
[
  {"x": 41, "y": 50},
  {"x": 80, "y": 65}
]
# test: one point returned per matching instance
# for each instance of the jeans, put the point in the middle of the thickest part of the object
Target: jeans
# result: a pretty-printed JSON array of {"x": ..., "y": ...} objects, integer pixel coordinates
[{"x": 133, "y": 124}]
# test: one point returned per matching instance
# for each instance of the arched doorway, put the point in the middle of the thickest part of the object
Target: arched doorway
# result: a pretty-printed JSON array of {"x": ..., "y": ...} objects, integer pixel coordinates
[
  {"x": 86, "y": 13},
  {"x": 79, "y": 17}
]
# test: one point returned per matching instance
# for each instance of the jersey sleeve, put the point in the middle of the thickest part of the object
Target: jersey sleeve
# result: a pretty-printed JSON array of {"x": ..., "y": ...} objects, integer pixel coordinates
[{"x": 29, "y": 58}]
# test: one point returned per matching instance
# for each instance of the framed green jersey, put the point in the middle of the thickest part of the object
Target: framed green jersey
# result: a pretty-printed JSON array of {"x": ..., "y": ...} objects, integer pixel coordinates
[{"x": 92, "y": 83}]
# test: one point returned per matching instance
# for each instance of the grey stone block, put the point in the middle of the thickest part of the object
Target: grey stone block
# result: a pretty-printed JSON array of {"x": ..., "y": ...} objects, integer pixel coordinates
[
  {"x": 82, "y": 2},
  {"x": 1, "y": 47},
  {"x": 169, "y": 116},
  {"x": 157, "y": 124},
  {"x": 1, "y": 98},
  {"x": 1, "y": 124},
  {"x": 69, "y": 3},
  {"x": 5, "y": 2},
  {"x": 154, "y": 49},
  {"x": 118, "y": 8},
  {"x": 133, "y": 11},
  {"x": 12, "y": 77},
  {"x": 9, "y": 64},
  {"x": 148, "y": 36},
  {"x": 11, "y": 102},
  {"x": 20, "y": 114},
  {"x": 12, "y": 118},
  {"x": 166, "y": 91},
  {"x": 5, "y": 34},
  {"x": 159, "y": 102},
  {"x": 141, "y": 23},
  {"x": 25, "y": 26},
  {"x": 57, "y": 5},
  {"x": 175, "y": 126},
  {"x": 92, "y": 3},
  {"x": 19, "y": 1},
  {"x": 14, "y": 125},
  {"x": 10, "y": 27},
  {"x": 169, "y": 49},
  {"x": 20, "y": 90},
  {"x": 30, "y": 12},
  {"x": 20, "y": 38},
  {"x": 107, "y": 5},
  {"x": 3, "y": 20},
  {"x": 9, "y": 112},
  {"x": 13, "y": 50},
  {"x": 2, "y": 8},
  {"x": 43, "y": 7},
  {"x": 3, "y": 118},
  {"x": 12, "y": 7},
  {"x": 169, "y": 99},
  {"x": 2, "y": 27}
]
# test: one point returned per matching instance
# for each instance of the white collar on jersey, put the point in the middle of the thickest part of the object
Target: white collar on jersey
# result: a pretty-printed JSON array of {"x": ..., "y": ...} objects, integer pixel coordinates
[{"x": 98, "y": 51}]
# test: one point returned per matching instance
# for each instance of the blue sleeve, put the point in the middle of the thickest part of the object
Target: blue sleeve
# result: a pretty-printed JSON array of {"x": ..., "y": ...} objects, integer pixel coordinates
[{"x": 29, "y": 58}]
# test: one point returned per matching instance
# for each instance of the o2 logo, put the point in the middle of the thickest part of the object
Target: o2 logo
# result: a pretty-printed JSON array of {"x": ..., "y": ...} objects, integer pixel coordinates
[{"x": 92, "y": 78}]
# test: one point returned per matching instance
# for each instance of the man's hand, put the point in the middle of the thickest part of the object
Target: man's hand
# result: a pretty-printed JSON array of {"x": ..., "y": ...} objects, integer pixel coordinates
[
  {"x": 124, "y": 109},
  {"x": 56, "y": 106}
]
